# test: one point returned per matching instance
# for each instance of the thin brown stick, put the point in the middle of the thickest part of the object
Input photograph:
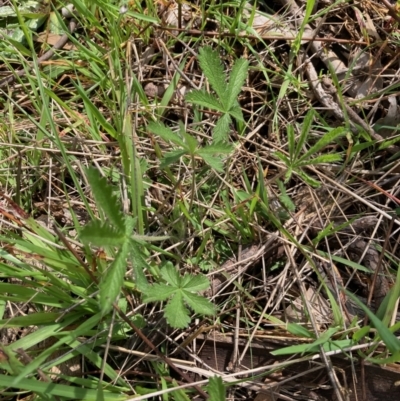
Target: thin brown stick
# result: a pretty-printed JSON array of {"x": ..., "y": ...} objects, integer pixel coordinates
[{"x": 258, "y": 37}]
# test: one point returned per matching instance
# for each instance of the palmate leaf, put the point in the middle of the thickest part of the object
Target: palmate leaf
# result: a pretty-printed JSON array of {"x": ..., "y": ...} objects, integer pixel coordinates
[
  {"x": 139, "y": 265},
  {"x": 172, "y": 157},
  {"x": 214, "y": 162},
  {"x": 210, "y": 63},
  {"x": 205, "y": 99},
  {"x": 171, "y": 275},
  {"x": 217, "y": 148},
  {"x": 199, "y": 304},
  {"x": 221, "y": 129},
  {"x": 236, "y": 112},
  {"x": 181, "y": 290},
  {"x": 237, "y": 77},
  {"x": 105, "y": 199},
  {"x": 166, "y": 133},
  {"x": 111, "y": 285},
  {"x": 208, "y": 154},
  {"x": 101, "y": 234},
  {"x": 158, "y": 292},
  {"x": 191, "y": 141},
  {"x": 195, "y": 283},
  {"x": 176, "y": 313}
]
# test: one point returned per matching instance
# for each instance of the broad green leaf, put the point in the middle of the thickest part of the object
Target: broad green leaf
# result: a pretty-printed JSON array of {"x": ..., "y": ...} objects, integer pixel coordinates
[
  {"x": 105, "y": 199},
  {"x": 176, "y": 313},
  {"x": 195, "y": 283},
  {"x": 216, "y": 389},
  {"x": 325, "y": 140},
  {"x": 199, "y": 304},
  {"x": 158, "y": 292},
  {"x": 139, "y": 265},
  {"x": 390, "y": 340},
  {"x": 221, "y": 129},
  {"x": 191, "y": 143},
  {"x": 170, "y": 274},
  {"x": 111, "y": 286},
  {"x": 166, "y": 133},
  {"x": 171, "y": 157},
  {"x": 101, "y": 234},
  {"x": 214, "y": 162},
  {"x": 54, "y": 24},
  {"x": 205, "y": 99},
  {"x": 210, "y": 63},
  {"x": 216, "y": 148},
  {"x": 236, "y": 112},
  {"x": 236, "y": 80}
]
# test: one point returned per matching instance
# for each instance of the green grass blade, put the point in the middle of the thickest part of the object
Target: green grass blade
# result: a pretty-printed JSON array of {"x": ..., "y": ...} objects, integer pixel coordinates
[
  {"x": 305, "y": 131},
  {"x": 390, "y": 340}
]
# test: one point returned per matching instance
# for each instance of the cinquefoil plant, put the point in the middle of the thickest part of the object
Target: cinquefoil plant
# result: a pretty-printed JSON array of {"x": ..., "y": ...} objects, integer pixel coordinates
[
  {"x": 226, "y": 100},
  {"x": 114, "y": 230},
  {"x": 180, "y": 291}
]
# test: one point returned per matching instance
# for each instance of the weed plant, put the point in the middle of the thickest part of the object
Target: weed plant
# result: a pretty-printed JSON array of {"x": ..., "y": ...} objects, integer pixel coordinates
[{"x": 119, "y": 208}]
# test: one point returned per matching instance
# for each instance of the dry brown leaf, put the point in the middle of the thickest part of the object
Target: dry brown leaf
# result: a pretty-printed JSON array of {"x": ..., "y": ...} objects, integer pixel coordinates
[{"x": 51, "y": 39}]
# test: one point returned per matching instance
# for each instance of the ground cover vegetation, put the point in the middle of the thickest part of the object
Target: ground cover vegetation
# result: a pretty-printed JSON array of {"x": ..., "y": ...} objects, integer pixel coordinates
[{"x": 199, "y": 200}]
